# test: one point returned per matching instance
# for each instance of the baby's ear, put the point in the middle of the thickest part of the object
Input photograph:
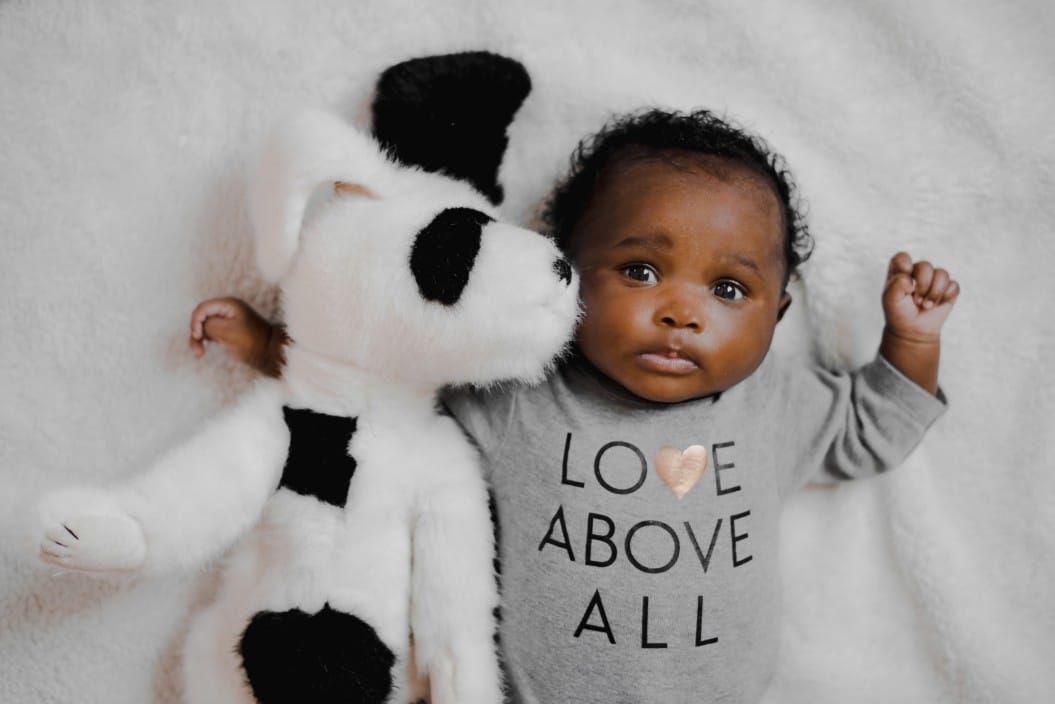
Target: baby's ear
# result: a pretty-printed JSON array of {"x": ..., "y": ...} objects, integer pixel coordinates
[
  {"x": 312, "y": 149},
  {"x": 785, "y": 303}
]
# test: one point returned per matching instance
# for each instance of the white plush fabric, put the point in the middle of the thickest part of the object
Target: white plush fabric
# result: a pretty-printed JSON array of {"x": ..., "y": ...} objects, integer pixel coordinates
[{"x": 124, "y": 127}]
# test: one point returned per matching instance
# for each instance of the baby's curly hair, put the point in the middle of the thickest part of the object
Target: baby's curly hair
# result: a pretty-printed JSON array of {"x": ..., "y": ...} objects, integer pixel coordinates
[{"x": 654, "y": 133}]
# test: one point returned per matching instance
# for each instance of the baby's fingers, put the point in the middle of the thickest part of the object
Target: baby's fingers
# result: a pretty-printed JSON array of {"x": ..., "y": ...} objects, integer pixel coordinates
[
  {"x": 939, "y": 282},
  {"x": 949, "y": 294},
  {"x": 898, "y": 287},
  {"x": 214, "y": 307},
  {"x": 899, "y": 284},
  {"x": 923, "y": 275},
  {"x": 900, "y": 263},
  {"x": 197, "y": 345},
  {"x": 211, "y": 308}
]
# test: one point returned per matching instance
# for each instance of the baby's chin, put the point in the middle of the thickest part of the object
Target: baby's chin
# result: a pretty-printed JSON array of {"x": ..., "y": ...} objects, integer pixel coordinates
[
  {"x": 667, "y": 390},
  {"x": 675, "y": 396}
]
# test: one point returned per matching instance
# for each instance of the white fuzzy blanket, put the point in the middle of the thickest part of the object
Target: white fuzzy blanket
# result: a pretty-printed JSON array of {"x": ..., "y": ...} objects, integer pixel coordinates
[{"x": 921, "y": 125}]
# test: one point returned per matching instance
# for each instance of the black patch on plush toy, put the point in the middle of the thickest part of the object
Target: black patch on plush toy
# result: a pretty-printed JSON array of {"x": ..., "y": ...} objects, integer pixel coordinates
[
  {"x": 449, "y": 113},
  {"x": 318, "y": 463},
  {"x": 444, "y": 253},
  {"x": 327, "y": 657}
]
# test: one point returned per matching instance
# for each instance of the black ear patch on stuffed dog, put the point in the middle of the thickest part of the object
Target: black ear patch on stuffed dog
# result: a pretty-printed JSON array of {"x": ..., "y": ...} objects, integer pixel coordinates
[
  {"x": 444, "y": 252},
  {"x": 449, "y": 113}
]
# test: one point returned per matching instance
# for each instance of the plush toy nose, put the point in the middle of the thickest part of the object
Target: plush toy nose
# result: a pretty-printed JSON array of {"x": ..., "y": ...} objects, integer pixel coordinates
[{"x": 563, "y": 269}]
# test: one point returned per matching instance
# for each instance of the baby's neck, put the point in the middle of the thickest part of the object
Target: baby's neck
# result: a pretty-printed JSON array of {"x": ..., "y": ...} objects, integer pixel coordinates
[{"x": 343, "y": 388}]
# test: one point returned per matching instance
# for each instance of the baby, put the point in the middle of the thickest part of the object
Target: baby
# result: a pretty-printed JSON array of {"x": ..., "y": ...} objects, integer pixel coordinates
[{"x": 628, "y": 574}]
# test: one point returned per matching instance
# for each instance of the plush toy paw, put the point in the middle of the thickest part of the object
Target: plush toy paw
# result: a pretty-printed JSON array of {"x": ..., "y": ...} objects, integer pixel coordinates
[
  {"x": 80, "y": 530},
  {"x": 464, "y": 685}
]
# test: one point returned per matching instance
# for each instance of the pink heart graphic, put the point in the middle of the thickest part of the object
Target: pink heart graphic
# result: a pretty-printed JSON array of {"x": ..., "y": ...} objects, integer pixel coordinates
[{"x": 681, "y": 470}]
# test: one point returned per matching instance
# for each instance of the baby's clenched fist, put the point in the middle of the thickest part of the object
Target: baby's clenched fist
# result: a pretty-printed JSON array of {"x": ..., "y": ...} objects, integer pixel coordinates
[{"x": 917, "y": 298}]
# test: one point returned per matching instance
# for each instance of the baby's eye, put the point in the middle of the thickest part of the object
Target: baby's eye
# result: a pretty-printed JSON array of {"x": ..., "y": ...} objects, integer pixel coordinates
[
  {"x": 728, "y": 290},
  {"x": 642, "y": 273}
]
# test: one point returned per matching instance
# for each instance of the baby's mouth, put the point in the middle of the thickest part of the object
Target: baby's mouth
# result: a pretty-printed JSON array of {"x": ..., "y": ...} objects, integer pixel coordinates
[{"x": 667, "y": 361}]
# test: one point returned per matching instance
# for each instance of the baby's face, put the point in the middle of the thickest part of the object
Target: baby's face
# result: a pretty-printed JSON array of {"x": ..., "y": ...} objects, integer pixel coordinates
[{"x": 682, "y": 278}]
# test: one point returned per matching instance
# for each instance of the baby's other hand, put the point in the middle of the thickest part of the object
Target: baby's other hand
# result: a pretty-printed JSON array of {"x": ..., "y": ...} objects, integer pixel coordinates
[
  {"x": 917, "y": 298},
  {"x": 232, "y": 322}
]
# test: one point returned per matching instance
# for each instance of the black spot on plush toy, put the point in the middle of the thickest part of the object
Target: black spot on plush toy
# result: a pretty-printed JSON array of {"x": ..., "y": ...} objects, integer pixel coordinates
[
  {"x": 318, "y": 463},
  {"x": 444, "y": 253},
  {"x": 356, "y": 512}
]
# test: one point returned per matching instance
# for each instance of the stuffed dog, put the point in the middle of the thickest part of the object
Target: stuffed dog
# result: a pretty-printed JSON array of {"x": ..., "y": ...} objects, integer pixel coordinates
[{"x": 356, "y": 511}]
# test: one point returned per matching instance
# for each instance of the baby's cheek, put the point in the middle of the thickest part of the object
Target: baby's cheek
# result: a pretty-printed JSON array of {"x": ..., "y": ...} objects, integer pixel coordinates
[
  {"x": 742, "y": 350},
  {"x": 593, "y": 333}
]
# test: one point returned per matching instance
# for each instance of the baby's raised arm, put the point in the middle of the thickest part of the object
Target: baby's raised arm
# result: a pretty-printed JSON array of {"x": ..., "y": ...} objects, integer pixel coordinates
[{"x": 243, "y": 332}]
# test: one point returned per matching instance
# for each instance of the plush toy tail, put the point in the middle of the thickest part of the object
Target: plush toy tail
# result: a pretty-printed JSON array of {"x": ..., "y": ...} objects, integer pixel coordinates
[{"x": 306, "y": 151}]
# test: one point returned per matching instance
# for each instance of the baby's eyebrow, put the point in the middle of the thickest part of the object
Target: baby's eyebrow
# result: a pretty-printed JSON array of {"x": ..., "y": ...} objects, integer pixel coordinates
[
  {"x": 744, "y": 260},
  {"x": 653, "y": 241}
]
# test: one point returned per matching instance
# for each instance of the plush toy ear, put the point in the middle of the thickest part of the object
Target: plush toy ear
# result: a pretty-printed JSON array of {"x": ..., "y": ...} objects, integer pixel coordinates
[
  {"x": 311, "y": 149},
  {"x": 450, "y": 113}
]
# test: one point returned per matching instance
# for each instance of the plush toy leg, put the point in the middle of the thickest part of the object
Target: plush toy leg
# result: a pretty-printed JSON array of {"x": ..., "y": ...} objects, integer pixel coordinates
[
  {"x": 194, "y": 502},
  {"x": 454, "y": 597}
]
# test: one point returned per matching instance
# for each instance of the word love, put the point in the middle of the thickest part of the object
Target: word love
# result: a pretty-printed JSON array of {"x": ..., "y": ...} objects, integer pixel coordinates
[{"x": 678, "y": 470}]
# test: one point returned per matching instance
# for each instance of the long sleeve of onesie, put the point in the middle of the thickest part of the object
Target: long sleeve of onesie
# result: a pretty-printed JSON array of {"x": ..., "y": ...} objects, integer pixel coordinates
[{"x": 850, "y": 424}]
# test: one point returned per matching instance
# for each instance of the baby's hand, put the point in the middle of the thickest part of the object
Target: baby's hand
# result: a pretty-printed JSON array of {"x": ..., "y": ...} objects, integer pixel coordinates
[
  {"x": 244, "y": 334},
  {"x": 917, "y": 299}
]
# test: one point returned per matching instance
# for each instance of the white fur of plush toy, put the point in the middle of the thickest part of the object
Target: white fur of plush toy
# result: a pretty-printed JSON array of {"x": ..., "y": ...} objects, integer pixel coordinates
[{"x": 380, "y": 522}]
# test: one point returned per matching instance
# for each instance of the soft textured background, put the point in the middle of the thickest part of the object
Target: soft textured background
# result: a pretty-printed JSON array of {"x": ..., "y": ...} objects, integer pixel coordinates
[{"x": 124, "y": 127}]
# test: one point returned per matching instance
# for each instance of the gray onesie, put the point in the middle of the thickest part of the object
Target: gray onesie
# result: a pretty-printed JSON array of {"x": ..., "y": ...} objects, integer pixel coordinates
[{"x": 638, "y": 541}]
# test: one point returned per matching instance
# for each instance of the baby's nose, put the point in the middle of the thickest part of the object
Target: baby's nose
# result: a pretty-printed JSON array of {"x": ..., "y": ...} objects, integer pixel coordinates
[
  {"x": 682, "y": 322},
  {"x": 681, "y": 312}
]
